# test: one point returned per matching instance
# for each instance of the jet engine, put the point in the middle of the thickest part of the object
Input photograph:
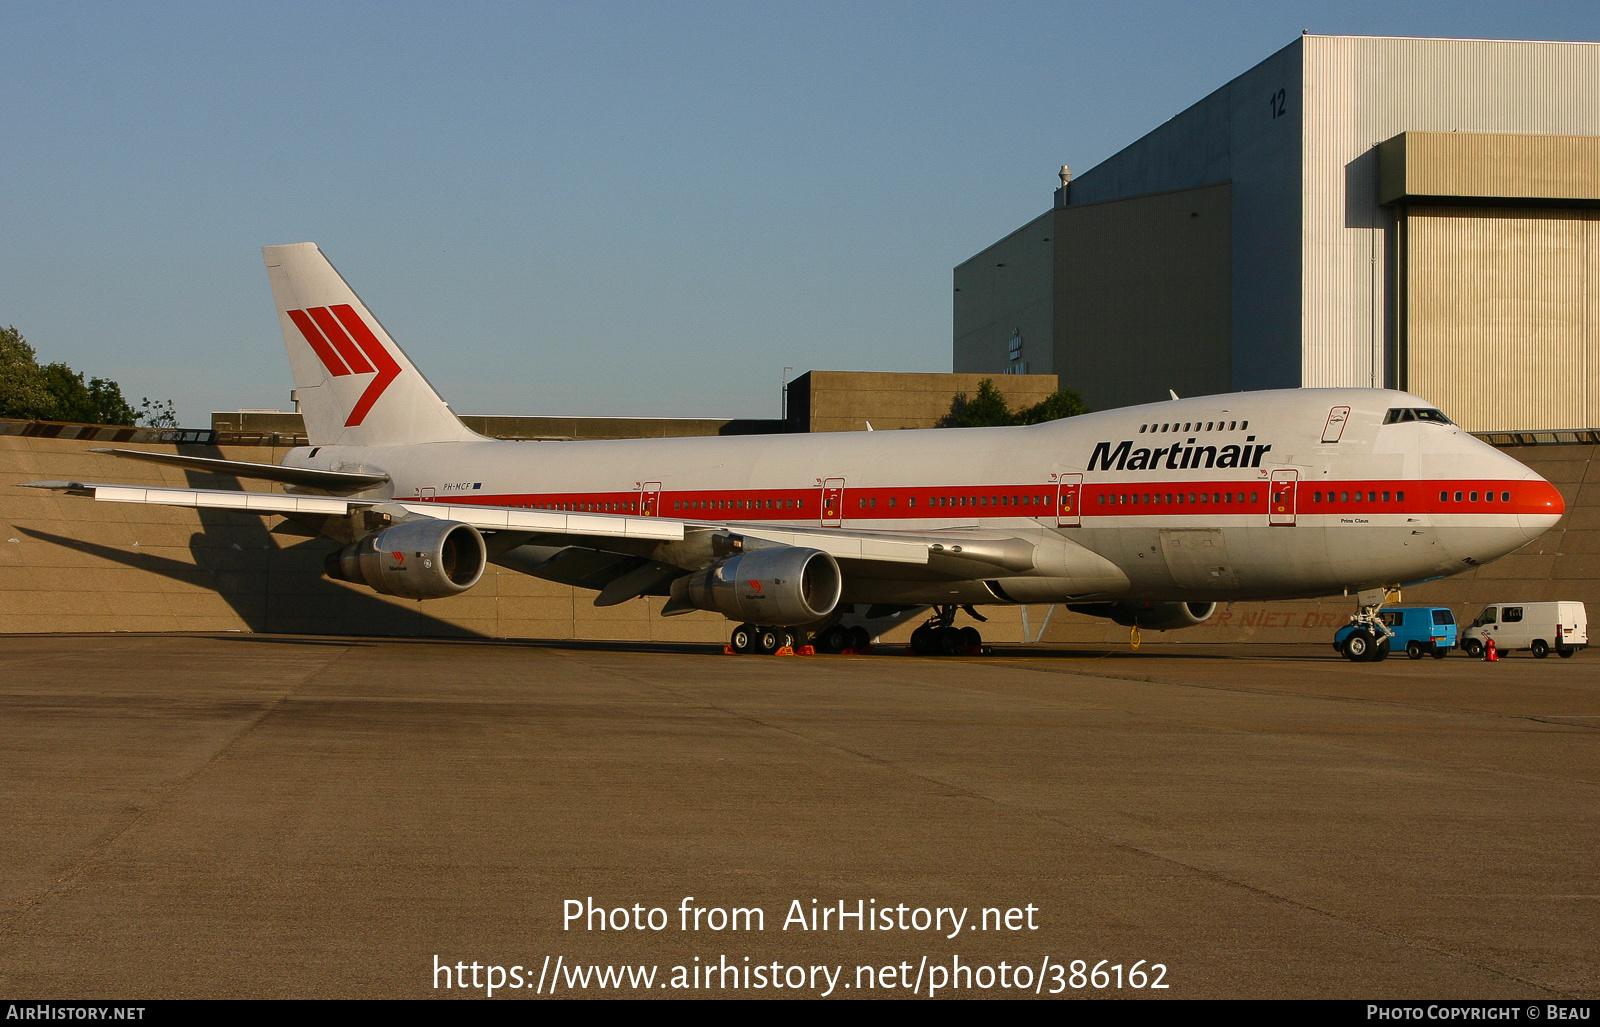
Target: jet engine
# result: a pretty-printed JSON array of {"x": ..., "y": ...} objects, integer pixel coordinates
[
  {"x": 1159, "y": 616},
  {"x": 427, "y": 559},
  {"x": 776, "y": 587}
]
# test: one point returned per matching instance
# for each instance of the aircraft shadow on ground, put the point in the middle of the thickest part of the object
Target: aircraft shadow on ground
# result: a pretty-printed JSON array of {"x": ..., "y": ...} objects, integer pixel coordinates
[{"x": 239, "y": 559}]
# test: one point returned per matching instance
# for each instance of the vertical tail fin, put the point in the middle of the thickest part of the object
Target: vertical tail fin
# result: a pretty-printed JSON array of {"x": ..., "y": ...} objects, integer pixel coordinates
[{"x": 356, "y": 387}]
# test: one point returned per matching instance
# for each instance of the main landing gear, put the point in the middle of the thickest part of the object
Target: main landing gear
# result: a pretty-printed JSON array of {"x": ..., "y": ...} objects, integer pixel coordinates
[
  {"x": 940, "y": 637},
  {"x": 761, "y": 641}
]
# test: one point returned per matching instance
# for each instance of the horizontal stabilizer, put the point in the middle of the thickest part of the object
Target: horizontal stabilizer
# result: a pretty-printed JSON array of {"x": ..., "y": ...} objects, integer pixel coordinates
[{"x": 328, "y": 481}]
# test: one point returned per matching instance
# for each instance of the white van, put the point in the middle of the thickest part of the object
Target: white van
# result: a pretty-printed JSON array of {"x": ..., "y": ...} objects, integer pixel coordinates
[{"x": 1539, "y": 627}]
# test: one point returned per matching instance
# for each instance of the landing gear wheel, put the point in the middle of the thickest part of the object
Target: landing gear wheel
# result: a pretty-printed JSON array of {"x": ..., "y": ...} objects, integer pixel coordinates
[
  {"x": 1414, "y": 650},
  {"x": 1472, "y": 647},
  {"x": 949, "y": 640},
  {"x": 924, "y": 642},
  {"x": 1440, "y": 654},
  {"x": 1380, "y": 650},
  {"x": 1358, "y": 647},
  {"x": 743, "y": 639},
  {"x": 970, "y": 637},
  {"x": 766, "y": 641},
  {"x": 860, "y": 639},
  {"x": 1541, "y": 648},
  {"x": 834, "y": 638},
  {"x": 1565, "y": 652},
  {"x": 787, "y": 637}
]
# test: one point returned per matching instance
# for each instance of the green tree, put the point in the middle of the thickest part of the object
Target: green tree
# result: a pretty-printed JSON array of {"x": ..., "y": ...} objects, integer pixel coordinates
[
  {"x": 55, "y": 392},
  {"x": 23, "y": 390},
  {"x": 989, "y": 409},
  {"x": 1065, "y": 403},
  {"x": 985, "y": 410}
]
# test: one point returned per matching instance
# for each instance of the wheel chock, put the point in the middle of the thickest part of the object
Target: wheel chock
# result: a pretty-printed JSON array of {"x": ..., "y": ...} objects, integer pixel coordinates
[
  {"x": 784, "y": 650},
  {"x": 727, "y": 650},
  {"x": 807, "y": 650}
]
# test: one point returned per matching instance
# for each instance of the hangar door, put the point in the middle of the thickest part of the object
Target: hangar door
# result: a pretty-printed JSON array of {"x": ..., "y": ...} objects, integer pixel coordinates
[{"x": 1502, "y": 315}]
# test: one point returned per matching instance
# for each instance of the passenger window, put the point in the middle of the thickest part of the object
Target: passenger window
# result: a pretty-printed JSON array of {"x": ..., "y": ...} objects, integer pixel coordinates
[
  {"x": 1505, "y": 497},
  {"x": 1255, "y": 497},
  {"x": 1511, "y": 615},
  {"x": 1474, "y": 497}
]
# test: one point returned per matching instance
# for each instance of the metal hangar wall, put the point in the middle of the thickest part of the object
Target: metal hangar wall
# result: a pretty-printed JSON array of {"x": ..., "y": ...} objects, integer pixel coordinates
[{"x": 1352, "y": 211}]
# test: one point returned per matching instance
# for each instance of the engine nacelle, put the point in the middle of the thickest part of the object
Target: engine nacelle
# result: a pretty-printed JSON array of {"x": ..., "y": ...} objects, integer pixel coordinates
[
  {"x": 776, "y": 587},
  {"x": 417, "y": 560},
  {"x": 1159, "y": 616}
]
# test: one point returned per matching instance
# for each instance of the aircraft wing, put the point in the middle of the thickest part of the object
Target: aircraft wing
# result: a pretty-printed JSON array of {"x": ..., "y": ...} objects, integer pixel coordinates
[{"x": 583, "y": 528}]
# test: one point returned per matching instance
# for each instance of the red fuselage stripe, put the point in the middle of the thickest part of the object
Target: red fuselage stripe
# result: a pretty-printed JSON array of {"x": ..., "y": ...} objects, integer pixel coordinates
[{"x": 1097, "y": 500}]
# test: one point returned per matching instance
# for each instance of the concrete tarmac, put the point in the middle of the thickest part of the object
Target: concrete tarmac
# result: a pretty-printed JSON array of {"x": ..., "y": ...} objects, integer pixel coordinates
[{"x": 265, "y": 816}]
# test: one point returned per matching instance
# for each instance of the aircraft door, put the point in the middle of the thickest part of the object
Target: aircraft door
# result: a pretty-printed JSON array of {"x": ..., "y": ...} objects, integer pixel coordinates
[
  {"x": 1069, "y": 490},
  {"x": 1281, "y": 497},
  {"x": 650, "y": 499},
  {"x": 1334, "y": 429},
  {"x": 832, "y": 502}
]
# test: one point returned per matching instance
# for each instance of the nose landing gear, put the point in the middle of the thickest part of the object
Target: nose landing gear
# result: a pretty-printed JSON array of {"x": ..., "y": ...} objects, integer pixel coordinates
[{"x": 1370, "y": 639}]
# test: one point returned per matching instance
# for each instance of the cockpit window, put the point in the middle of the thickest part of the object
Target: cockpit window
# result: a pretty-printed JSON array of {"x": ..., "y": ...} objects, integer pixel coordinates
[{"x": 1396, "y": 415}]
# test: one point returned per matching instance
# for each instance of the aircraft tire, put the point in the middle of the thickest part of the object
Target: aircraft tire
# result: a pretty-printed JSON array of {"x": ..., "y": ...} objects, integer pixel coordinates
[
  {"x": 1541, "y": 648},
  {"x": 970, "y": 637},
  {"x": 833, "y": 638},
  {"x": 767, "y": 641},
  {"x": 743, "y": 639},
  {"x": 923, "y": 642},
  {"x": 948, "y": 639},
  {"x": 860, "y": 639},
  {"x": 1414, "y": 650},
  {"x": 1358, "y": 646},
  {"x": 1380, "y": 651}
]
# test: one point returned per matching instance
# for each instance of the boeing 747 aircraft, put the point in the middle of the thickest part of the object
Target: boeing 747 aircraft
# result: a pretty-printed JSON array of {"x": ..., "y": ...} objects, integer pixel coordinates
[{"x": 1150, "y": 515}]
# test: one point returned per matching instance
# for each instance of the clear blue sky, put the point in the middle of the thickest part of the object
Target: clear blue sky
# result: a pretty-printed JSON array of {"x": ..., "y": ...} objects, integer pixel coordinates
[{"x": 580, "y": 208}]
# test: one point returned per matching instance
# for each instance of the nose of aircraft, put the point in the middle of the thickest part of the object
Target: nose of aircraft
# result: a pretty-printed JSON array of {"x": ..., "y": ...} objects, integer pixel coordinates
[{"x": 1541, "y": 507}]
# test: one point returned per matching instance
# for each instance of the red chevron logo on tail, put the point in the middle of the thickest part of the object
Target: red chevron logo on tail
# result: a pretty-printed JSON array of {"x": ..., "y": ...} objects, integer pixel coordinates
[{"x": 345, "y": 345}]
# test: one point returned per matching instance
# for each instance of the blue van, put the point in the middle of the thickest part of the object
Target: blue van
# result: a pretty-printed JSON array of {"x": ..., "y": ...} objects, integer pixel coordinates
[{"x": 1419, "y": 630}]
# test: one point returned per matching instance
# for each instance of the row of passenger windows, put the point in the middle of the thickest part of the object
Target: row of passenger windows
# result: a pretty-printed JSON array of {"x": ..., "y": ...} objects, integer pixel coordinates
[
  {"x": 1134, "y": 499},
  {"x": 1195, "y": 426},
  {"x": 1472, "y": 497},
  {"x": 1345, "y": 497},
  {"x": 871, "y": 502},
  {"x": 582, "y": 507},
  {"x": 739, "y": 504}
]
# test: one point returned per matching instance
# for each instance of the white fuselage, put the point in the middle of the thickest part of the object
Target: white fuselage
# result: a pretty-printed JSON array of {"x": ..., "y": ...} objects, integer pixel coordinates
[{"x": 1249, "y": 495}]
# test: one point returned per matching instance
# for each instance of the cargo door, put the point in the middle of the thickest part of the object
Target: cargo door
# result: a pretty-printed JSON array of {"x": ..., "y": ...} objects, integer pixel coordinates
[
  {"x": 650, "y": 499},
  {"x": 1281, "y": 498},
  {"x": 1069, "y": 489},
  {"x": 832, "y": 502}
]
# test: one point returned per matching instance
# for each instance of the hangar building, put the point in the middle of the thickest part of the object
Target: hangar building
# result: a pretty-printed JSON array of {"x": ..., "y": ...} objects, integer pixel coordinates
[{"x": 1352, "y": 211}]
